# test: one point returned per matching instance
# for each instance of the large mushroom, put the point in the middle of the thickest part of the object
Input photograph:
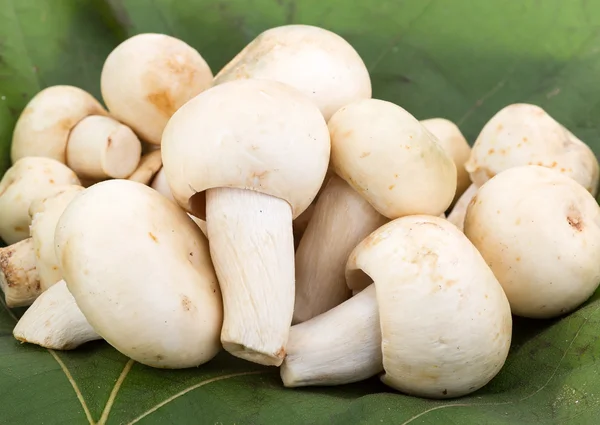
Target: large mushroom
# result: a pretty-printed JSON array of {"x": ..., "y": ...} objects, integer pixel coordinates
[
  {"x": 444, "y": 321},
  {"x": 28, "y": 179},
  {"x": 318, "y": 62},
  {"x": 539, "y": 231},
  {"x": 67, "y": 124},
  {"x": 140, "y": 271},
  {"x": 249, "y": 156},
  {"x": 147, "y": 77},
  {"x": 387, "y": 165}
]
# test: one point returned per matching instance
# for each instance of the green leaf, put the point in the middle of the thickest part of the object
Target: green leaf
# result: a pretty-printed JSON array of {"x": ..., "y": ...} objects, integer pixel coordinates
[{"x": 459, "y": 59}]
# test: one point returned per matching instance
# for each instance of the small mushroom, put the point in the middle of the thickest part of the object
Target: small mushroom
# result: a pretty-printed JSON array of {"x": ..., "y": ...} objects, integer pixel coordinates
[
  {"x": 249, "y": 155},
  {"x": 19, "y": 278},
  {"x": 28, "y": 179},
  {"x": 147, "y": 77},
  {"x": 524, "y": 134},
  {"x": 458, "y": 212},
  {"x": 140, "y": 271},
  {"x": 149, "y": 166},
  {"x": 100, "y": 147},
  {"x": 55, "y": 321},
  {"x": 318, "y": 62},
  {"x": 539, "y": 230},
  {"x": 387, "y": 165},
  {"x": 454, "y": 143}
]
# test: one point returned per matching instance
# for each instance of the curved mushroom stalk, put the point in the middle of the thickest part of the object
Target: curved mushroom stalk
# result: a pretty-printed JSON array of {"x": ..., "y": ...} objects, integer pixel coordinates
[
  {"x": 150, "y": 164},
  {"x": 342, "y": 218},
  {"x": 338, "y": 347},
  {"x": 387, "y": 165},
  {"x": 281, "y": 152},
  {"x": 459, "y": 211},
  {"x": 28, "y": 179},
  {"x": 19, "y": 278},
  {"x": 158, "y": 303},
  {"x": 55, "y": 321}
]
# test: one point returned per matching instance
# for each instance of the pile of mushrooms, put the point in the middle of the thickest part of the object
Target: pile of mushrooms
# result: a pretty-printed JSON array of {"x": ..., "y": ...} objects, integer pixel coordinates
[{"x": 280, "y": 213}]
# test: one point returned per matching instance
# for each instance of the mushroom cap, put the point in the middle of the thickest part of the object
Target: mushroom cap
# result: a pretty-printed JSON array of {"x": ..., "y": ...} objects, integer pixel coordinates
[
  {"x": 393, "y": 161},
  {"x": 318, "y": 62},
  {"x": 524, "y": 134},
  {"x": 141, "y": 273},
  {"x": 29, "y": 178},
  {"x": 445, "y": 321},
  {"x": 454, "y": 143},
  {"x": 259, "y": 135},
  {"x": 147, "y": 77},
  {"x": 539, "y": 231},
  {"x": 44, "y": 125}
]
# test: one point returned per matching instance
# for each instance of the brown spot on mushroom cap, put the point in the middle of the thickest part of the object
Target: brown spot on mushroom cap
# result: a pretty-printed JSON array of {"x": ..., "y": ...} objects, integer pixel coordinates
[
  {"x": 153, "y": 237},
  {"x": 280, "y": 354},
  {"x": 365, "y": 154},
  {"x": 19, "y": 229},
  {"x": 186, "y": 303},
  {"x": 163, "y": 101},
  {"x": 575, "y": 222},
  {"x": 391, "y": 186}
]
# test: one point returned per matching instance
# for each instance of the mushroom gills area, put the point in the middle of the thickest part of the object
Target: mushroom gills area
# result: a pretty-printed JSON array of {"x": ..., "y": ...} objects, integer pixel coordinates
[{"x": 252, "y": 248}]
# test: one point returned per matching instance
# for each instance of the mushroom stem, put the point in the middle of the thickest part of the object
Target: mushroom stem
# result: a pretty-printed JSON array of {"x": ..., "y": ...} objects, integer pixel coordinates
[
  {"x": 458, "y": 213},
  {"x": 19, "y": 278},
  {"x": 252, "y": 248},
  {"x": 55, "y": 321},
  {"x": 147, "y": 168},
  {"x": 338, "y": 347},
  {"x": 341, "y": 219}
]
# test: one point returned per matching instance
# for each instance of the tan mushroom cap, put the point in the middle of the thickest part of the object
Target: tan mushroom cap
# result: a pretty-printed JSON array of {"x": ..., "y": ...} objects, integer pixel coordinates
[
  {"x": 44, "y": 125},
  {"x": 387, "y": 156},
  {"x": 140, "y": 271},
  {"x": 318, "y": 62},
  {"x": 540, "y": 232},
  {"x": 29, "y": 178},
  {"x": 446, "y": 324},
  {"x": 147, "y": 77},
  {"x": 248, "y": 134},
  {"x": 524, "y": 134}
]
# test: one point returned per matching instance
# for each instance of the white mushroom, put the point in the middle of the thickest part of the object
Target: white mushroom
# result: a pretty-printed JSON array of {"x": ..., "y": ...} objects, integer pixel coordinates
[
  {"x": 458, "y": 212},
  {"x": 29, "y": 178},
  {"x": 54, "y": 321},
  {"x": 539, "y": 231},
  {"x": 318, "y": 62},
  {"x": 149, "y": 166},
  {"x": 147, "y": 77},
  {"x": 260, "y": 150},
  {"x": 19, "y": 278},
  {"x": 140, "y": 271},
  {"x": 454, "y": 143},
  {"x": 389, "y": 166},
  {"x": 524, "y": 134}
]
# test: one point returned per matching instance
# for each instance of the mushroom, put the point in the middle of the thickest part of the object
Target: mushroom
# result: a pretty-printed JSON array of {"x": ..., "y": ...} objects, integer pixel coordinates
[
  {"x": 458, "y": 212},
  {"x": 524, "y": 134},
  {"x": 539, "y": 231},
  {"x": 19, "y": 279},
  {"x": 149, "y": 166},
  {"x": 140, "y": 271},
  {"x": 387, "y": 165},
  {"x": 454, "y": 143},
  {"x": 444, "y": 324},
  {"x": 28, "y": 179},
  {"x": 318, "y": 62},
  {"x": 249, "y": 156},
  {"x": 54, "y": 321},
  {"x": 147, "y": 77}
]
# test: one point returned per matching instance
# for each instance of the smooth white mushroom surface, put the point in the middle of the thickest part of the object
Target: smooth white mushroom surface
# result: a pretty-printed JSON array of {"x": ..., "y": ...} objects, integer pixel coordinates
[
  {"x": 140, "y": 271},
  {"x": 524, "y": 134},
  {"x": 147, "y": 77},
  {"x": 318, "y": 62},
  {"x": 150, "y": 164},
  {"x": 446, "y": 324},
  {"x": 539, "y": 231}
]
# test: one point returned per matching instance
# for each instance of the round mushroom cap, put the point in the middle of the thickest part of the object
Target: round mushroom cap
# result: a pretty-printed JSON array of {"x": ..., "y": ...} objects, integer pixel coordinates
[
  {"x": 44, "y": 126},
  {"x": 524, "y": 134},
  {"x": 318, "y": 62},
  {"x": 29, "y": 178},
  {"x": 147, "y": 77},
  {"x": 446, "y": 324},
  {"x": 394, "y": 162},
  {"x": 454, "y": 143},
  {"x": 141, "y": 273},
  {"x": 259, "y": 135},
  {"x": 539, "y": 231}
]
